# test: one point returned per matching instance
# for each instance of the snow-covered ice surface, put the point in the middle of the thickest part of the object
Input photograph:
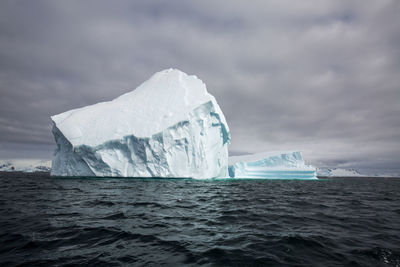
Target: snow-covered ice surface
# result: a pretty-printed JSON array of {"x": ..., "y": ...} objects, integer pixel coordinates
[
  {"x": 277, "y": 164},
  {"x": 169, "y": 126}
]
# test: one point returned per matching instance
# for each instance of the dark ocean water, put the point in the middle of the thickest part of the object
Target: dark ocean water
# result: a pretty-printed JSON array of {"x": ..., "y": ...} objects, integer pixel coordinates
[{"x": 114, "y": 222}]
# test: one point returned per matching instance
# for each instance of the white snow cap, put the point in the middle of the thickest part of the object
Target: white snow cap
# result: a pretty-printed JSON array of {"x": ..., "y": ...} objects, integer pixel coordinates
[{"x": 138, "y": 112}]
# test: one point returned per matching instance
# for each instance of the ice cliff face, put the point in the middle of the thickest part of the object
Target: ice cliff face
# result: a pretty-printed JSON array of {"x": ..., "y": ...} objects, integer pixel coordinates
[
  {"x": 289, "y": 164},
  {"x": 169, "y": 126}
]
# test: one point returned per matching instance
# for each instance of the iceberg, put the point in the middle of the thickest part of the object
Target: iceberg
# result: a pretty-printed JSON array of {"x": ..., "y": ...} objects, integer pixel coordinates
[
  {"x": 272, "y": 165},
  {"x": 169, "y": 126},
  {"x": 25, "y": 165},
  {"x": 337, "y": 172}
]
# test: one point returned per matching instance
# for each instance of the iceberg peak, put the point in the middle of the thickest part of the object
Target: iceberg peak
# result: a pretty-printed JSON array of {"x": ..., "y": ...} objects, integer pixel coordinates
[{"x": 170, "y": 96}]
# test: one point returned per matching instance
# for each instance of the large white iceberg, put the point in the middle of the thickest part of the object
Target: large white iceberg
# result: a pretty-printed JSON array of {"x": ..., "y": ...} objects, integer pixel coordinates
[
  {"x": 279, "y": 164},
  {"x": 169, "y": 126}
]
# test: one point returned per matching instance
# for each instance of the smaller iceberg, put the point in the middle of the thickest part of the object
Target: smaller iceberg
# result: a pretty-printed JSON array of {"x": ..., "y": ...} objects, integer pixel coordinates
[
  {"x": 271, "y": 165},
  {"x": 336, "y": 172}
]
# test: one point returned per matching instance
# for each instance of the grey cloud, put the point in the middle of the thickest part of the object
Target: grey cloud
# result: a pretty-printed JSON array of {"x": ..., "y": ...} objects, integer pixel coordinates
[{"x": 321, "y": 76}]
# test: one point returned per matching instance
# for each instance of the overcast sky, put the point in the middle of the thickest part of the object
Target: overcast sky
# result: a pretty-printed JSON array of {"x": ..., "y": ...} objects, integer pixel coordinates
[{"x": 321, "y": 76}]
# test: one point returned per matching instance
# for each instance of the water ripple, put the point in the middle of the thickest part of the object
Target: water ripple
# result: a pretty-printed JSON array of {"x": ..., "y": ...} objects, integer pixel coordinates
[{"x": 119, "y": 222}]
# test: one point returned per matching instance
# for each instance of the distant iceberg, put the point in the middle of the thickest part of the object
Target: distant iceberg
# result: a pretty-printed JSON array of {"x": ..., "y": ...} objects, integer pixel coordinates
[
  {"x": 25, "y": 165},
  {"x": 337, "y": 172},
  {"x": 169, "y": 126},
  {"x": 278, "y": 164}
]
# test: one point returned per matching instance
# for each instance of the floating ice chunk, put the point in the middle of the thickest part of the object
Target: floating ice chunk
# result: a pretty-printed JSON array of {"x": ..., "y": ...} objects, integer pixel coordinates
[{"x": 279, "y": 165}]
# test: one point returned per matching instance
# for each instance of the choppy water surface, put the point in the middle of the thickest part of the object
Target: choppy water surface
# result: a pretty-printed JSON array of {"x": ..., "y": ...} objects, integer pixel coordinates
[{"x": 331, "y": 222}]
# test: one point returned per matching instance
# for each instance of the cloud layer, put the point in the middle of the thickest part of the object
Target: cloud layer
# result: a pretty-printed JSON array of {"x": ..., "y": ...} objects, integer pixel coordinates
[{"x": 317, "y": 75}]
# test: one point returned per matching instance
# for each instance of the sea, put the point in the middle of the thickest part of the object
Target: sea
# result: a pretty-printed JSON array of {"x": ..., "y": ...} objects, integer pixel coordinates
[{"x": 47, "y": 221}]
